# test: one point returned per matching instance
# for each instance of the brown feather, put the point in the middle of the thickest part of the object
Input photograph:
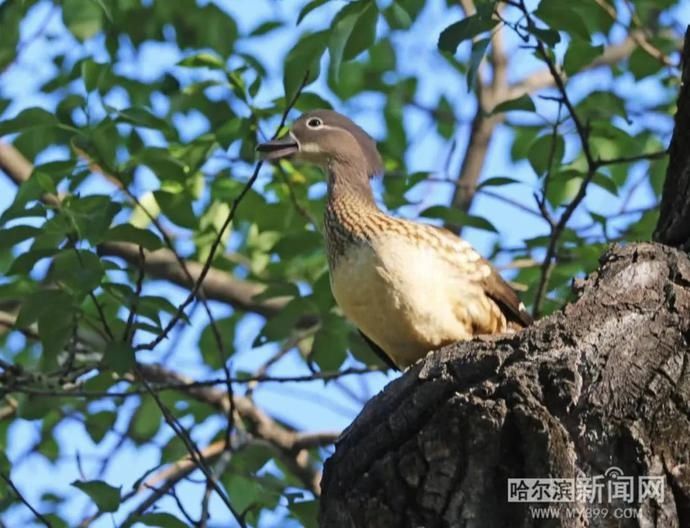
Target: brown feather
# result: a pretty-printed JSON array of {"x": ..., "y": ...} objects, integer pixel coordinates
[{"x": 502, "y": 294}]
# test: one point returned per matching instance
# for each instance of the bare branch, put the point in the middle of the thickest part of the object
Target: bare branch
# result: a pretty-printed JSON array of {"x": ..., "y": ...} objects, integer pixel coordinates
[
  {"x": 544, "y": 79},
  {"x": 483, "y": 124},
  {"x": 217, "y": 285},
  {"x": 21, "y": 497},
  {"x": 262, "y": 425}
]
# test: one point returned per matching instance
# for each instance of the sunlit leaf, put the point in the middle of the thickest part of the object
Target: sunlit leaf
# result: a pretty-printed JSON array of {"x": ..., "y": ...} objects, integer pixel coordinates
[
  {"x": 524, "y": 103},
  {"x": 354, "y": 30},
  {"x": 546, "y": 153},
  {"x": 458, "y": 217},
  {"x": 84, "y": 18},
  {"x": 303, "y": 62},
  {"x": 106, "y": 497},
  {"x": 465, "y": 29}
]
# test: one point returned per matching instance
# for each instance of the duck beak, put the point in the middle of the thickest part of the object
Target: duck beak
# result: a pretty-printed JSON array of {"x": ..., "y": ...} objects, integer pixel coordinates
[{"x": 278, "y": 148}]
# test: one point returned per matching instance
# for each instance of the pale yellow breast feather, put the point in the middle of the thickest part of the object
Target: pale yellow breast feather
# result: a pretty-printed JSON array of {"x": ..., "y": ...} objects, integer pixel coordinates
[{"x": 404, "y": 296}]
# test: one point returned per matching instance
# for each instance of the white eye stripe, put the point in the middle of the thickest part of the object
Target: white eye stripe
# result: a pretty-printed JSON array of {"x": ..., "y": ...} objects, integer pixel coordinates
[{"x": 310, "y": 147}]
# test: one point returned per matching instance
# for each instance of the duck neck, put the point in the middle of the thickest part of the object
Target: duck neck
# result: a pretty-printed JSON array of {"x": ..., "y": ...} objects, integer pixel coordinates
[
  {"x": 348, "y": 185},
  {"x": 350, "y": 204}
]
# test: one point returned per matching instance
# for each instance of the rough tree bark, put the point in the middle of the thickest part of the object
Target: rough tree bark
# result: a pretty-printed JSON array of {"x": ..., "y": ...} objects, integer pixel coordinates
[{"x": 603, "y": 383}]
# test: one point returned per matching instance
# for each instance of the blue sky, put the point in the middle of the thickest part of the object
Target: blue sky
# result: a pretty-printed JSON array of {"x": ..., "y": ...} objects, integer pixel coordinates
[{"x": 309, "y": 406}]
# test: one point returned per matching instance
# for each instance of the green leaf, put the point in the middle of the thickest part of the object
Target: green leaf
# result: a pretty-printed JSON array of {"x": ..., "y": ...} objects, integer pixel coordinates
[
  {"x": 163, "y": 164},
  {"x": 140, "y": 116},
  {"x": 146, "y": 421},
  {"x": 5, "y": 464},
  {"x": 524, "y": 137},
  {"x": 100, "y": 144},
  {"x": 600, "y": 105},
  {"x": 91, "y": 215},
  {"x": 55, "y": 329},
  {"x": 84, "y": 18},
  {"x": 134, "y": 235},
  {"x": 11, "y": 16},
  {"x": 524, "y": 103},
  {"x": 37, "y": 408},
  {"x": 159, "y": 520},
  {"x": 79, "y": 271},
  {"x": 546, "y": 153},
  {"x": 177, "y": 207},
  {"x": 92, "y": 73},
  {"x": 17, "y": 289},
  {"x": 445, "y": 122},
  {"x": 266, "y": 27},
  {"x": 549, "y": 37},
  {"x": 458, "y": 217},
  {"x": 293, "y": 245},
  {"x": 397, "y": 17},
  {"x": 106, "y": 497},
  {"x": 465, "y": 29},
  {"x": 16, "y": 234},
  {"x": 250, "y": 495},
  {"x": 42, "y": 303},
  {"x": 478, "y": 51},
  {"x": 363, "y": 35},
  {"x": 642, "y": 64},
  {"x": 304, "y": 61},
  {"x": 280, "y": 289},
  {"x": 203, "y": 60},
  {"x": 329, "y": 348},
  {"x": 283, "y": 324},
  {"x": 308, "y": 8},
  {"x": 497, "y": 181},
  {"x": 579, "y": 55},
  {"x": 354, "y": 30},
  {"x": 209, "y": 346},
  {"x": 564, "y": 185},
  {"x": 99, "y": 424},
  {"x": 606, "y": 183},
  {"x": 363, "y": 352},
  {"x": 26, "y": 262},
  {"x": 152, "y": 305},
  {"x": 306, "y": 512},
  {"x": 28, "y": 119},
  {"x": 119, "y": 356},
  {"x": 561, "y": 16}
]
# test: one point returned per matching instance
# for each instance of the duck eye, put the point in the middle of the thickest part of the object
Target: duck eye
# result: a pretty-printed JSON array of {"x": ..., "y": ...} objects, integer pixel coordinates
[{"x": 314, "y": 122}]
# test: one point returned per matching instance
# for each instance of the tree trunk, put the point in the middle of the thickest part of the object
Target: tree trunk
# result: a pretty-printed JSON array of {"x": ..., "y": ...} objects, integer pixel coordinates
[{"x": 598, "y": 393}]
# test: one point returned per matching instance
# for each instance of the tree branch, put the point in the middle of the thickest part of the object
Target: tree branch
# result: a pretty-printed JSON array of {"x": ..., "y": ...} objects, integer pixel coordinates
[
  {"x": 489, "y": 96},
  {"x": 21, "y": 497},
  {"x": 286, "y": 441},
  {"x": 164, "y": 264},
  {"x": 217, "y": 285}
]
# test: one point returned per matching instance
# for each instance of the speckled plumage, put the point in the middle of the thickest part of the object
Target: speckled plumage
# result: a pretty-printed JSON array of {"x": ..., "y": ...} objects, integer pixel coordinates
[{"x": 409, "y": 287}]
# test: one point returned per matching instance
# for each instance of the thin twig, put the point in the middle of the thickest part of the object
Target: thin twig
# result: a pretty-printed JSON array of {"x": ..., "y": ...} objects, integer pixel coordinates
[
  {"x": 74, "y": 391},
  {"x": 192, "y": 449},
  {"x": 592, "y": 163},
  {"x": 633, "y": 159},
  {"x": 214, "y": 247},
  {"x": 21, "y": 497},
  {"x": 128, "y": 333}
]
